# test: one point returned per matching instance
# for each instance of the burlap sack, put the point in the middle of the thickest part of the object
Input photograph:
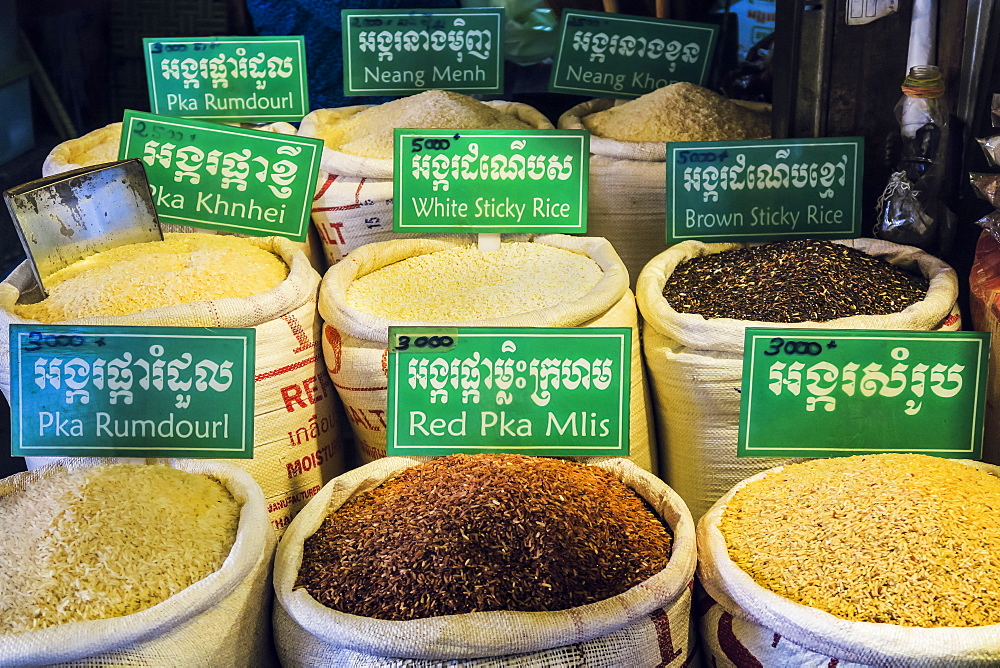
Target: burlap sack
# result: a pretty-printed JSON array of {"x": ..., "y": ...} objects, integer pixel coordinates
[
  {"x": 355, "y": 342},
  {"x": 751, "y": 625},
  {"x": 221, "y": 620},
  {"x": 353, "y": 202},
  {"x": 648, "y": 625},
  {"x": 101, "y": 145},
  {"x": 984, "y": 308},
  {"x": 297, "y": 440},
  {"x": 627, "y": 202},
  {"x": 696, "y": 366}
]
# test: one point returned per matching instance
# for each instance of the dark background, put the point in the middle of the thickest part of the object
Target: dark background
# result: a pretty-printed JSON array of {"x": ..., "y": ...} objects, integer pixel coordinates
[{"x": 81, "y": 61}]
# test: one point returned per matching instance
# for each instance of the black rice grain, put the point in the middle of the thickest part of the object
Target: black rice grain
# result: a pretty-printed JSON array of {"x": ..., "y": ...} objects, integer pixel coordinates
[{"x": 469, "y": 533}]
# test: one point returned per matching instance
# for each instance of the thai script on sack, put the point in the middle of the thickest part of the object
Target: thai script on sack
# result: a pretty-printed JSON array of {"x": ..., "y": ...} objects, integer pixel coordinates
[
  {"x": 467, "y": 379},
  {"x": 601, "y": 44},
  {"x": 220, "y": 69},
  {"x": 123, "y": 376},
  {"x": 388, "y": 38},
  {"x": 821, "y": 176},
  {"x": 822, "y": 383},
  {"x": 234, "y": 169},
  {"x": 441, "y": 168}
]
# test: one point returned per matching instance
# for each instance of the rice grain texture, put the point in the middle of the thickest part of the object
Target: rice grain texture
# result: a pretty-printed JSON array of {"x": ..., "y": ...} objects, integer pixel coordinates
[
  {"x": 462, "y": 283},
  {"x": 109, "y": 541},
  {"x": 899, "y": 539},
  {"x": 370, "y": 132},
  {"x": 679, "y": 112},
  {"x": 180, "y": 269}
]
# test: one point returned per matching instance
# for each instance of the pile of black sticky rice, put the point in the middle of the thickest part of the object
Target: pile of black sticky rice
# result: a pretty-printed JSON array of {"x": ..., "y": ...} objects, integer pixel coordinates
[
  {"x": 792, "y": 281},
  {"x": 474, "y": 533}
]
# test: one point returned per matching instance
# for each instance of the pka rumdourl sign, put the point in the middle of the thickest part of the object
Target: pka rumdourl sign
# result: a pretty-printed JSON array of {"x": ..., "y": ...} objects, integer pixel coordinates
[
  {"x": 405, "y": 52},
  {"x": 764, "y": 189},
  {"x": 613, "y": 55},
  {"x": 228, "y": 78},
  {"x": 224, "y": 178},
  {"x": 539, "y": 391},
  {"x": 822, "y": 393},
  {"x": 88, "y": 391},
  {"x": 490, "y": 180}
]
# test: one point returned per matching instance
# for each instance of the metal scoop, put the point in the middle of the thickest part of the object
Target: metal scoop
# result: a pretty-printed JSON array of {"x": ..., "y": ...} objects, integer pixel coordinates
[{"x": 67, "y": 217}]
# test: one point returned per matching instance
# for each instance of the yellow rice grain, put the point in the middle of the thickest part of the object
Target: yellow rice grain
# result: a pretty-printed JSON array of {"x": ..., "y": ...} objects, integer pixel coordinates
[{"x": 898, "y": 539}]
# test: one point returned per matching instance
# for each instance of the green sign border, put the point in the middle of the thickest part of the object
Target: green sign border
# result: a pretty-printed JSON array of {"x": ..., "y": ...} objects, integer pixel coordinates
[
  {"x": 93, "y": 447},
  {"x": 857, "y": 143},
  {"x": 557, "y": 65},
  {"x": 401, "y": 181},
  {"x": 746, "y": 448},
  {"x": 292, "y": 115},
  {"x": 311, "y": 144},
  {"x": 624, "y": 334},
  {"x": 346, "y": 40}
]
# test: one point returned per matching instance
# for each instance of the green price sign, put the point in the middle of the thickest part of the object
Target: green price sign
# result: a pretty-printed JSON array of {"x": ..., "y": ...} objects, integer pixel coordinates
[
  {"x": 224, "y": 178},
  {"x": 764, "y": 190},
  {"x": 228, "y": 78},
  {"x": 826, "y": 393},
  {"x": 625, "y": 56},
  {"x": 407, "y": 52},
  {"x": 531, "y": 390},
  {"x": 490, "y": 180},
  {"x": 87, "y": 391}
]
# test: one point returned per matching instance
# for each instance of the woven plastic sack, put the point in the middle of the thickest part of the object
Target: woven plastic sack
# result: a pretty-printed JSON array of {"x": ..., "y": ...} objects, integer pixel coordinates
[
  {"x": 101, "y": 145},
  {"x": 696, "y": 365},
  {"x": 648, "y": 625},
  {"x": 297, "y": 438},
  {"x": 221, "y": 620},
  {"x": 628, "y": 179},
  {"x": 353, "y": 202},
  {"x": 984, "y": 308},
  {"x": 749, "y": 625},
  {"x": 355, "y": 343}
]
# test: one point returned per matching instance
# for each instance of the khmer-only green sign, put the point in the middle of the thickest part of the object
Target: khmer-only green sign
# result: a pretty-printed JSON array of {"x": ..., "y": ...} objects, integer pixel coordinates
[
  {"x": 225, "y": 178},
  {"x": 490, "y": 180},
  {"x": 86, "y": 391},
  {"x": 764, "y": 190},
  {"x": 619, "y": 56},
  {"x": 530, "y": 390},
  {"x": 824, "y": 393},
  {"x": 405, "y": 52},
  {"x": 228, "y": 78}
]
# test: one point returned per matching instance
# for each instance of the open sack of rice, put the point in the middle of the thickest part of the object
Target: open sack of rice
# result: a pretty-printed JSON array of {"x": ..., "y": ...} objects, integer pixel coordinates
[
  {"x": 627, "y": 204},
  {"x": 542, "y": 281},
  {"x": 200, "y": 280},
  {"x": 134, "y": 564},
  {"x": 488, "y": 560},
  {"x": 872, "y": 560},
  {"x": 698, "y": 299},
  {"x": 353, "y": 204},
  {"x": 101, "y": 145}
]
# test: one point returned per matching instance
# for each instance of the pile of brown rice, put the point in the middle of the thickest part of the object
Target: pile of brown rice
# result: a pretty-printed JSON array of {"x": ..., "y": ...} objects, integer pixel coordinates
[
  {"x": 900, "y": 539},
  {"x": 108, "y": 541}
]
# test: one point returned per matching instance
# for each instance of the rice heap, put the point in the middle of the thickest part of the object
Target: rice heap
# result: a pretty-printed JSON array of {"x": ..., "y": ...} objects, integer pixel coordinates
[
  {"x": 679, "y": 112},
  {"x": 473, "y": 533},
  {"x": 108, "y": 541},
  {"x": 180, "y": 269},
  {"x": 465, "y": 284},
  {"x": 369, "y": 132},
  {"x": 897, "y": 539}
]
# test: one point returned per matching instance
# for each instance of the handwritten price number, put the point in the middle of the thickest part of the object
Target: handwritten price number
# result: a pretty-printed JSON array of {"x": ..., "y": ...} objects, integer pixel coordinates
[
  {"x": 144, "y": 130},
  {"x": 431, "y": 144},
  {"x": 403, "y": 342},
  {"x": 779, "y": 345},
  {"x": 36, "y": 340},
  {"x": 700, "y": 156}
]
